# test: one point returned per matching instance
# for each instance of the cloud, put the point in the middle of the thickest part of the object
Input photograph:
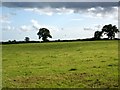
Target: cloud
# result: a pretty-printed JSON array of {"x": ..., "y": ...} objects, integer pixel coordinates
[
  {"x": 50, "y": 11},
  {"x": 5, "y": 19},
  {"x": 64, "y": 10},
  {"x": 5, "y": 28},
  {"x": 82, "y": 5},
  {"x": 25, "y": 28},
  {"x": 90, "y": 9},
  {"x": 100, "y": 12},
  {"x": 35, "y": 24},
  {"x": 93, "y": 12},
  {"x": 60, "y": 1},
  {"x": 46, "y": 11}
]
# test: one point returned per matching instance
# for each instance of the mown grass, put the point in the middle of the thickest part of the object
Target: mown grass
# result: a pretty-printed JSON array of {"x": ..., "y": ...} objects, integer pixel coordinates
[{"x": 85, "y": 64}]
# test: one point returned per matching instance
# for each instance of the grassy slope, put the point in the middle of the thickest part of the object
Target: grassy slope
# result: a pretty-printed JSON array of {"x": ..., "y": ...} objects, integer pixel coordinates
[{"x": 61, "y": 65}]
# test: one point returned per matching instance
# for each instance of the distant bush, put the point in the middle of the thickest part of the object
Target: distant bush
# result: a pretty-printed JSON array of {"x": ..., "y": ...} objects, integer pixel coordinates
[
  {"x": 14, "y": 41},
  {"x": 27, "y": 39}
]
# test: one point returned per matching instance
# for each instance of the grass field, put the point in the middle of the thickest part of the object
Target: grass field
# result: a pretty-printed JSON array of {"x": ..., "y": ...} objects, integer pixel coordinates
[{"x": 85, "y": 64}]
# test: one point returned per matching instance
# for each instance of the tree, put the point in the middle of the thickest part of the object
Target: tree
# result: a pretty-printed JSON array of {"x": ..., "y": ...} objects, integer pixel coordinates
[
  {"x": 27, "y": 39},
  {"x": 9, "y": 41},
  {"x": 98, "y": 35},
  {"x": 110, "y": 31},
  {"x": 14, "y": 41},
  {"x": 44, "y": 33}
]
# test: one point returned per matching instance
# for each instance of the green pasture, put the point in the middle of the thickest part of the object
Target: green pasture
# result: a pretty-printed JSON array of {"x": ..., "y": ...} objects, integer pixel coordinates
[{"x": 82, "y": 64}]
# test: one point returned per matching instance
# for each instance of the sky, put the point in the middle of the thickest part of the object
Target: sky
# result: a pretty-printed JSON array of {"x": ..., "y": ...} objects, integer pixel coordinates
[{"x": 65, "y": 20}]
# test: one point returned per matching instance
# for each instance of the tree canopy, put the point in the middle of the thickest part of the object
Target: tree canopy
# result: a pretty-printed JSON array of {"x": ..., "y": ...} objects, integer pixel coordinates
[
  {"x": 98, "y": 34},
  {"x": 27, "y": 39},
  {"x": 44, "y": 33},
  {"x": 110, "y": 30}
]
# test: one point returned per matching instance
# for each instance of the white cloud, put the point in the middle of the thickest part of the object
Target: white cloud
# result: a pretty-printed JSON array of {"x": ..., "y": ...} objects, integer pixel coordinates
[
  {"x": 64, "y": 10},
  {"x": 8, "y": 28},
  {"x": 50, "y": 11},
  {"x": 25, "y": 28},
  {"x": 100, "y": 12},
  {"x": 91, "y": 9},
  {"x": 5, "y": 19},
  {"x": 46, "y": 11},
  {"x": 94, "y": 12},
  {"x": 35, "y": 24}
]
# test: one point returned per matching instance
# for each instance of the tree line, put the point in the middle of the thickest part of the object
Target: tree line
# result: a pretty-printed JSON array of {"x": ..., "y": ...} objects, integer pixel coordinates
[{"x": 109, "y": 30}]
